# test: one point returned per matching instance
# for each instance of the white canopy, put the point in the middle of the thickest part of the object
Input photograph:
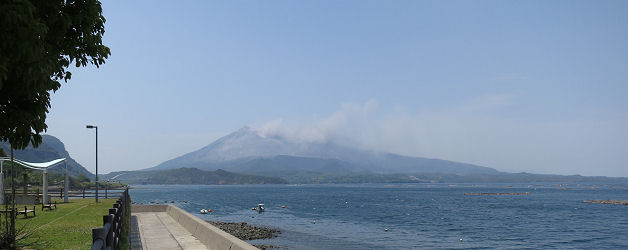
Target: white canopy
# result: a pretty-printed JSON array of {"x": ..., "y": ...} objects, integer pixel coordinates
[{"x": 38, "y": 166}]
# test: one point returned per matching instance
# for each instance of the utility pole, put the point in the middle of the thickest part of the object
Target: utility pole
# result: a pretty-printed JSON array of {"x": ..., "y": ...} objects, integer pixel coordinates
[{"x": 96, "y": 127}]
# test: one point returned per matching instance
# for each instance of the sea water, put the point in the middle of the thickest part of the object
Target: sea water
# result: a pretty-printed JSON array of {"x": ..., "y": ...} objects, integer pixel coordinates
[{"x": 413, "y": 216}]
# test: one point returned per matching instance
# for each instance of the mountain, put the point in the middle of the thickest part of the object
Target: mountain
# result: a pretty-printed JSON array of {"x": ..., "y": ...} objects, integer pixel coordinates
[
  {"x": 292, "y": 164},
  {"x": 190, "y": 176},
  {"x": 50, "y": 149},
  {"x": 246, "y": 151}
]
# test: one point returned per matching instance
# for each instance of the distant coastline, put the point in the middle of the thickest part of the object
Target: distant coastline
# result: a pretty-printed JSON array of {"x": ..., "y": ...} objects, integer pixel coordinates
[{"x": 196, "y": 176}]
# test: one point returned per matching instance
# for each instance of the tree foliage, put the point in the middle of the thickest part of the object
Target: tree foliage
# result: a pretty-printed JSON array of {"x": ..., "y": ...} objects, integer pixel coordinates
[{"x": 39, "y": 40}]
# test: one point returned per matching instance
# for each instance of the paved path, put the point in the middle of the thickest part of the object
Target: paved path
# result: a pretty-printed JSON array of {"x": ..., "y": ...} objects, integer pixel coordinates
[{"x": 157, "y": 230}]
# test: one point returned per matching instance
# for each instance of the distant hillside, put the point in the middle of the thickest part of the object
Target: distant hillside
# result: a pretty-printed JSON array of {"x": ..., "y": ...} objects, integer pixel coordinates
[
  {"x": 51, "y": 148},
  {"x": 283, "y": 164},
  {"x": 309, "y": 177},
  {"x": 190, "y": 176},
  {"x": 246, "y": 151},
  {"x": 521, "y": 178}
]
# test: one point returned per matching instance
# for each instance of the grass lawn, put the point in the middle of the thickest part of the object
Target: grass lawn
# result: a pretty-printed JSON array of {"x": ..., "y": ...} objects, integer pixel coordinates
[{"x": 67, "y": 227}]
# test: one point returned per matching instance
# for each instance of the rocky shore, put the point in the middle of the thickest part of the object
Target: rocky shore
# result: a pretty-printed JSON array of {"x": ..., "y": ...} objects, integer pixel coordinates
[{"x": 245, "y": 231}]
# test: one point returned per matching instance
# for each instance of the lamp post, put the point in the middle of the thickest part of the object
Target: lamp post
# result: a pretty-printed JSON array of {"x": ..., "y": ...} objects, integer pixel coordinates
[{"x": 96, "y": 127}]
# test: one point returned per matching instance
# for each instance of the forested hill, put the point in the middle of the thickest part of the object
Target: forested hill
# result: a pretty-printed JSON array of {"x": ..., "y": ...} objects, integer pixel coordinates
[
  {"x": 191, "y": 176},
  {"x": 50, "y": 149}
]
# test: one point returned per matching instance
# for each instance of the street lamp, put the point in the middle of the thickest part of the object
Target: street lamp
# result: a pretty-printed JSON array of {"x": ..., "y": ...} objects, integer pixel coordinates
[{"x": 95, "y": 127}]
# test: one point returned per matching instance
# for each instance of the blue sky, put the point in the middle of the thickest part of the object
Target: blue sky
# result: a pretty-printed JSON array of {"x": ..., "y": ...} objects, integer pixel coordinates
[{"x": 536, "y": 86}]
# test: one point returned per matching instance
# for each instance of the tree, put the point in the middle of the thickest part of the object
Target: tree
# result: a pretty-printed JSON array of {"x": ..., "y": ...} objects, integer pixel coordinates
[
  {"x": 82, "y": 178},
  {"x": 40, "y": 40}
]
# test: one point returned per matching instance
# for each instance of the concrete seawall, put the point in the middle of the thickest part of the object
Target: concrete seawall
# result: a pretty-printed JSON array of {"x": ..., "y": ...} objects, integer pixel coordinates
[{"x": 209, "y": 235}]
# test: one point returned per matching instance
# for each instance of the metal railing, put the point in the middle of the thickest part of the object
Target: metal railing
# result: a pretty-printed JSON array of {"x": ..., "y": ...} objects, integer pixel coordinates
[
  {"x": 105, "y": 193},
  {"x": 91, "y": 193},
  {"x": 110, "y": 235}
]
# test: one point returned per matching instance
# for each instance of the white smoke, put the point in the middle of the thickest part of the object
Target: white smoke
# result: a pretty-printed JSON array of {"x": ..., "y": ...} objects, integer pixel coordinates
[
  {"x": 350, "y": 122},
  {"x": 478, "y": 131},
  {"x": 400, "y": 131}
]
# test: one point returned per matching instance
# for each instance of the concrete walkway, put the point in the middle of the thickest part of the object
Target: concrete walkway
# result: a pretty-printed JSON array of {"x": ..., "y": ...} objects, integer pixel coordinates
[{"x": 157, "y": 230}]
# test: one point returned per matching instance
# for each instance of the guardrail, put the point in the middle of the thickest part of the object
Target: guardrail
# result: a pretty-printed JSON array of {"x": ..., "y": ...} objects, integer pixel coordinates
[
  {"x": 105, "y": 193},
  {"x": 91, "y": 193},
  {"x": 110, "y": 235}
]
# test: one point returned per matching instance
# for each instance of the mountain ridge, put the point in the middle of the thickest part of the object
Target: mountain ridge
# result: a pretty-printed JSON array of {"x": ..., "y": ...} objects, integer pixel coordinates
[{"x": 247, "y": 147}]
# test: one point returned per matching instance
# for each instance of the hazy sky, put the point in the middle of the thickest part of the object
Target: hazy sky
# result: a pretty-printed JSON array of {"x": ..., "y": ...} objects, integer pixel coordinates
[{"x": 536, "y": 86}]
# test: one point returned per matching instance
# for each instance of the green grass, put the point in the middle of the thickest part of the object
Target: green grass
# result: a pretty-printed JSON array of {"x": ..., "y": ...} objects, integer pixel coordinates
[{"x": 67, "y": 227}]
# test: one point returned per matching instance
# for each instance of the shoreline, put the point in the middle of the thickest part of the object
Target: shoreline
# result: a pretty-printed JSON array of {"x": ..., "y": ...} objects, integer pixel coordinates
[{"x": 244, "y": 231}]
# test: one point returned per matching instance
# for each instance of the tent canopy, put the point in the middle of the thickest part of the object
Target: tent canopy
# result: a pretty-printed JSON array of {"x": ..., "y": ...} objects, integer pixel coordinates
[{"x": 38, "y": 166}]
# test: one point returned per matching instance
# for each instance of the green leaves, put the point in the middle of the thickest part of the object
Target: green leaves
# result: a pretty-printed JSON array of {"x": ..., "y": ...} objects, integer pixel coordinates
[{"x": 39, "y": 40}]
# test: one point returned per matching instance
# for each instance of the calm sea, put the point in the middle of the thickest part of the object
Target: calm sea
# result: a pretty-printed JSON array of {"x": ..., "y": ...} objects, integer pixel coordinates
[{"x": 418, "y": 216}]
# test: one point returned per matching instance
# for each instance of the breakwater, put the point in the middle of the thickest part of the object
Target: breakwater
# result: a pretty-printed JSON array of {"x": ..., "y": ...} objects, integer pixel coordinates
[
  {"x": 614, "y": 202},
  {"x": 209, "y": 235},
  {"x": 526, "y": 193}
]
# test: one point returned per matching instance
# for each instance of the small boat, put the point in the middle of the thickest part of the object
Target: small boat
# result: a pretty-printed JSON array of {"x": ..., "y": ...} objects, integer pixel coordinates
[
  {"x": 260, "y": 207},
  {"x": 204, "y": 211}
]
